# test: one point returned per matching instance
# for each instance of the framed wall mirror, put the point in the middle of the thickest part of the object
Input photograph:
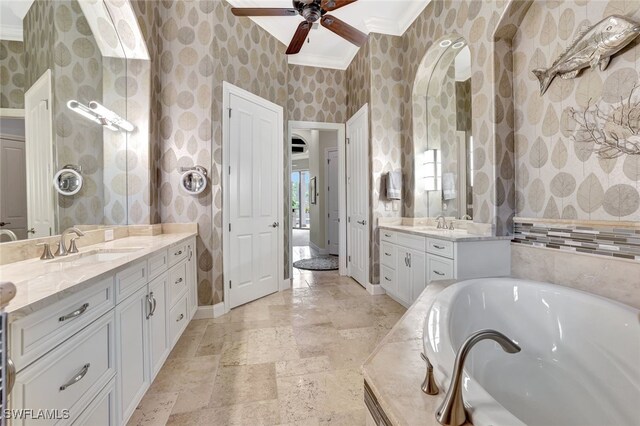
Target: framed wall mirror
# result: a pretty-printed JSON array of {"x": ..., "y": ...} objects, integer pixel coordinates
[
  {"x": 63, "y": 126},
  {"x": 443, "y": 140}
]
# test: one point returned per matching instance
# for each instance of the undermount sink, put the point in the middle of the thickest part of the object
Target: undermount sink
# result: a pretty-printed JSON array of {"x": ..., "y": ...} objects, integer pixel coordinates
[{"x": 96, "y": 255}]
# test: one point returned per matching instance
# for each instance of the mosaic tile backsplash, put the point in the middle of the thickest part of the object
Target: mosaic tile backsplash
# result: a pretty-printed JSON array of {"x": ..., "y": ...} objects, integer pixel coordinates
[{"x": 605, "y": 239}]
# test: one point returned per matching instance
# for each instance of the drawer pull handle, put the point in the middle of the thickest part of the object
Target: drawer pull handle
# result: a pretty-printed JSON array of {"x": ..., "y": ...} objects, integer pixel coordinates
[
  {"x": 438, "y": 247},
  {"x": 179, "y": 280},
  {"x": 77, "y": 378},
  {"x": 387, "y": 279},
  {"x": 155, "y": 304},
  {"x": 387, "y": 235},
  {"x": 178, "y": 253},
  {"x": 180, "y": 318},
  {"x": 81, "y": 310},
  {"x": 438, "y": 273},
  {"x": 11, "y": 375},
  {"x": 387, "y": 254}
]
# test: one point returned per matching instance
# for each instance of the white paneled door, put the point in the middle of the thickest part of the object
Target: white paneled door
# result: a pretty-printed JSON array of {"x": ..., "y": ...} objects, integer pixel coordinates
[
  {"x": 333, "y": 201},
  {"x": 255, "y": 169},
  {"x": 39, "y": 158},
  {"x": 358, "y": 196}
]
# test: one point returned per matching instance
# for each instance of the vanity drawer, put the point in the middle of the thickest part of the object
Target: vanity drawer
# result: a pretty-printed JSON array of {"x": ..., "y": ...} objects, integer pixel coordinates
[
  {"x": 177, "y": 282},
  {"x": 416, "y": 242},
  {"x": 440, "y": 247},
  {"x": 38, "y": 333},
  {"x": 102, "y": 410},
  {"x": 70, "y": 376},
  {"x": 178, "y": 319},
  {"x": 388, "y": 279},
  {"x": 386, "y": 235},
  {"x": 158, "y": 264},
  {"x": 177, "y": 253},
  {"x": 130, "y": 280},
  {"x": 440, "y": 268},
  {"x": 388, "y": 255}
]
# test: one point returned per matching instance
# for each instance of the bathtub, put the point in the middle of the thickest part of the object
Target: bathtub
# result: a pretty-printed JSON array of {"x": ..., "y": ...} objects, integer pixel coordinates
[{"x": 580, "y": 358}]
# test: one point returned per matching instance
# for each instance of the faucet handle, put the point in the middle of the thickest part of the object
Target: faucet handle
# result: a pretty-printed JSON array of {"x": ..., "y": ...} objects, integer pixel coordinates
[
  {"x": 46, "y": 253},
  {"x": 429, "y": 385},
  {"x": 73, "y": 248}
]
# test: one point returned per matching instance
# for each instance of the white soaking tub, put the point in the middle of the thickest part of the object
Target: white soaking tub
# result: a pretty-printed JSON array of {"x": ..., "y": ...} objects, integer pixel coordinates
[{"x": 580, "y": 358}]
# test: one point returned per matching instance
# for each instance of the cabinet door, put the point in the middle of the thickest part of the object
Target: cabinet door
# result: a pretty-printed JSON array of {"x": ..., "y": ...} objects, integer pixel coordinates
[
  {"x": 192, "y": 278},
  {"x": 132, "y": 351},
  {"x": 158, "y": 327},
  {"x": 404, "y": 275},
  {"x": 418, "y": 266}
]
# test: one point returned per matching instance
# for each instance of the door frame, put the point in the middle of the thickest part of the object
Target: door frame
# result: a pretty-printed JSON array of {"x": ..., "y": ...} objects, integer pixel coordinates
[
  {"x": 364, "y": 111},
  {"x": 327, "y": 195},
  {"x": 227, "y": 90},
  {"x": 342, "y": 184}
]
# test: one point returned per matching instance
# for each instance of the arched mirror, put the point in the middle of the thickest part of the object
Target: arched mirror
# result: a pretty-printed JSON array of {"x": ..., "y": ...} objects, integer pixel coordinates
[{"x": 443, "y": 141}]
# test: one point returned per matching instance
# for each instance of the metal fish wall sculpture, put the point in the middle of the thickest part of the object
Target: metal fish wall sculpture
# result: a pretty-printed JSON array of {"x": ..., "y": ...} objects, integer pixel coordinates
[{"x": 591, "y": 48}]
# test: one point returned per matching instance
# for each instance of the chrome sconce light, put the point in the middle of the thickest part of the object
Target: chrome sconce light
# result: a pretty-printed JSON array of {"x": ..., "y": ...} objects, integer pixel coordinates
[
  {"x": 102, "y": 115},
  {"x": 432, "y": 170}
]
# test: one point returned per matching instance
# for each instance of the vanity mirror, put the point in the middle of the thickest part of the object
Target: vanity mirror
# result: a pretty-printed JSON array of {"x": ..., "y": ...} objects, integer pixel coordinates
[
  {"x": 63, "y": 127},
  {"x": 443, "y": 141}
]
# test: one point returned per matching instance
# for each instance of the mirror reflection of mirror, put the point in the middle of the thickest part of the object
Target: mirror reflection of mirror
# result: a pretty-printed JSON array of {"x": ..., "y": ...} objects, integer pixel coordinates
[
  {"x": 54, "y": 52},
  {"x": 442, "y": 131}
]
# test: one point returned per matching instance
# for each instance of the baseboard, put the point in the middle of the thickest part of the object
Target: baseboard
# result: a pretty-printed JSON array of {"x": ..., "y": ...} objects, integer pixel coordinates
[
  {"x": 286, "y": 284},
  {"x": 375, "y": 289},
  {"x": 320, "y": 251},
  {"x": 209, "y": 311}
]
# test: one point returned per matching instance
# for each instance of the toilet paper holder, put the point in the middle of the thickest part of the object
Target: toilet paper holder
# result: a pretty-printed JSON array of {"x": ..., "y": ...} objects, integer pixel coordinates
[{"x": 193, "y": 179}]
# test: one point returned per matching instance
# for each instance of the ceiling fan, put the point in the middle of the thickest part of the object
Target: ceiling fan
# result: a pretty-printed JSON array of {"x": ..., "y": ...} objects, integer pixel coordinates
[{"x": 311, "y": 11}]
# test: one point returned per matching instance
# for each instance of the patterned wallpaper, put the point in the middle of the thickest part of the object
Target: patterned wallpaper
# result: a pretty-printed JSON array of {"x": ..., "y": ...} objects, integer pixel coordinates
[
  {"x": 38, "y": 38},
  {"x": 317, "y": 94},
  {"x": 77, "y": 74},
  {"x": 557, "y": 178},
  {"x": 12, "y": 74}
]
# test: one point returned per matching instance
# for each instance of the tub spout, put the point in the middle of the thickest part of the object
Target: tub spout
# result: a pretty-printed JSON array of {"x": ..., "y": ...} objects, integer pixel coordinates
[{"x": 452, "y": 412}]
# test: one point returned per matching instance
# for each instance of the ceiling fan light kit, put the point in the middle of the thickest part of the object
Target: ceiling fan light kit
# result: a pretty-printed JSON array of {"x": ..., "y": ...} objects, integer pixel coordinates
[{"x": 312, "y": 11}]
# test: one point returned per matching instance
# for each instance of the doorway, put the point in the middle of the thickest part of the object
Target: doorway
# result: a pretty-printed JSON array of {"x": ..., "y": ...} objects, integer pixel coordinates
[{"x": 314, "y": 213}]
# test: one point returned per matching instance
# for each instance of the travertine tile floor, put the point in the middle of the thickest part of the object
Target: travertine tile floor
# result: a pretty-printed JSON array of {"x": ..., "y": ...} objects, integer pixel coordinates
[{"x": 289, "y": 358}]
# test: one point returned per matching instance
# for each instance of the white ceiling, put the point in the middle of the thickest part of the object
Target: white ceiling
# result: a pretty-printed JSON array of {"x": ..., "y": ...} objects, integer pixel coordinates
[
  {"x": 327, "y": 50},
  {"x": 11, "y": 14}
]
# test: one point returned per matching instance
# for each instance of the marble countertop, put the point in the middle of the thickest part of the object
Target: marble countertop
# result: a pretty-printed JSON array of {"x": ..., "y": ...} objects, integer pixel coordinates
[
  {"x": 395, "y": 370},
  {"x": 443, "y": 234},
  {"x": 42, "y": 282}
]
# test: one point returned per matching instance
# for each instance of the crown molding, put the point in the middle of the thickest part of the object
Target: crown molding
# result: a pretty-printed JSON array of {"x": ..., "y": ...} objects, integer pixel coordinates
[{"x": 311, "y": 60}]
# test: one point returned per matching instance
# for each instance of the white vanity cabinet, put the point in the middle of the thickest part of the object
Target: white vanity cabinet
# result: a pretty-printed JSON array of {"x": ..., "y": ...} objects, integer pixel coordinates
[
  {"x": 96, "y": 352},
  {"x": 409, "y": 262}
]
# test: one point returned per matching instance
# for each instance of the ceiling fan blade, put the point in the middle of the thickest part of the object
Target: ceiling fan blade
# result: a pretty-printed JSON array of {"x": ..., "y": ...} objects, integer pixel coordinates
[
  {"x": 344, "y": 30},
  {"x": 266, "y": 11},
  {"x": 299, "y": 38},
  {"x": 330, "y": 5}
]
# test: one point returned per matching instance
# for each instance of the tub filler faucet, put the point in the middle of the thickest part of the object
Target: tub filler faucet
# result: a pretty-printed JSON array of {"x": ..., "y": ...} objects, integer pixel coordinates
[{"x": 452, "y": 412}]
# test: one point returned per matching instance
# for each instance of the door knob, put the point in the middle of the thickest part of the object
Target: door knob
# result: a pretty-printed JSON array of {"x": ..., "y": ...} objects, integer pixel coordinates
[
  {"x": 5, "y": 223},
  {"x": 275, "y": 225},
  {"x": 31, "y": 231},
  {"x": 362, "y": 222}
]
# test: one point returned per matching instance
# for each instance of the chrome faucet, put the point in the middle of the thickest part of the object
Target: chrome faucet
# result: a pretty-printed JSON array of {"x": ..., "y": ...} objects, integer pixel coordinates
[
  {"x": 442, "y": 225},
  {"x": 466, "y": 217},
  {"x": 452, "y": 412},
  {"x": 62, "y": 247},
  {"x": 429, "y": 385}
]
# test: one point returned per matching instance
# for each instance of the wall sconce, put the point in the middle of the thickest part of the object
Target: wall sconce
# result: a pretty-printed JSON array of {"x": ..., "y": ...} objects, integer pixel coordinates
[
  {"x": 432, "y": 166},
  {"x": 102, "y": 115}
]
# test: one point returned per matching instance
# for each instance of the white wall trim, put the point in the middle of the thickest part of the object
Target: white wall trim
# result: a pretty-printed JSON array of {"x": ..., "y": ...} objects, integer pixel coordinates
[
  {"x": 209, "y": 311},
  {"x": 320, "y": 251},
  {"x": 375, "y": 289},
  {"x": 342, "y": 151},
  {"x": 11, "y": 112},
  {"x": 286, "y": 284},
  {"x": 227, "y": 90},
  {"x": 11, "y": 32}
]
